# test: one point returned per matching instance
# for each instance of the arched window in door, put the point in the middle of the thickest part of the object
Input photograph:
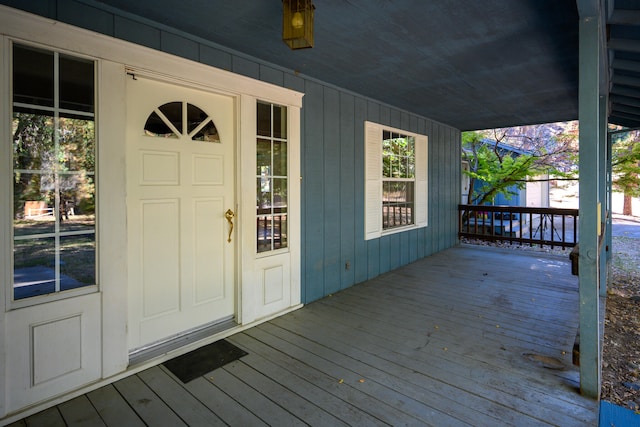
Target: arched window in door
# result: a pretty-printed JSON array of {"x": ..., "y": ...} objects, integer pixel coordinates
[{"x": 180, "y": 119}]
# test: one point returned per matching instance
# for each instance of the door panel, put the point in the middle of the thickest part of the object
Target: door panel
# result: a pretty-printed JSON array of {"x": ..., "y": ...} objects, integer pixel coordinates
[
  {"x": 180, "y": 182},
  {"x": 160, "y": 242},
  {"x": 208, "y": 272}
]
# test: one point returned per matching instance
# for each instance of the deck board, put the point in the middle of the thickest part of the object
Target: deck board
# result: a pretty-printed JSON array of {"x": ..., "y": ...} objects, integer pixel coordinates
[
  {"x": 79, "y": 412},
  {"x": 48, "y": 418},
  {"x": 253, "y": 400},
  {"x": 113, "y": 408},
  {"x": 149, "y": 407},
  {"x": 370, "y": 410},
  {"x": 445, "y": 369},
  {"x": 187, "y": 407},
  {"x": 375, "y": 393},
  {"x": 260, "y": 376},
  {"x": 221, "y": 404},
  {"x": 441, "y": 341},
  {"x": 406, "y": 375}
]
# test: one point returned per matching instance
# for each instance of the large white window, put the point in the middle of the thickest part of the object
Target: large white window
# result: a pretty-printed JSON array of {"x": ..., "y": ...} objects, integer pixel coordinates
[
  {"x": 53, "y": 128},
  {"x": 395, "y": 181}
]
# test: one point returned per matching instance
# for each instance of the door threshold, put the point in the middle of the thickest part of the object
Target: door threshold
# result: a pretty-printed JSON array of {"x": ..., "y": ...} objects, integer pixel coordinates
[{"x": 153, "y": 350}]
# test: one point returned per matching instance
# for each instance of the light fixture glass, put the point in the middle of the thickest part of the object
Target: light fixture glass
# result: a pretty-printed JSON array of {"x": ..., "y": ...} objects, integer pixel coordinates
[{"x": 297, "y": 21}]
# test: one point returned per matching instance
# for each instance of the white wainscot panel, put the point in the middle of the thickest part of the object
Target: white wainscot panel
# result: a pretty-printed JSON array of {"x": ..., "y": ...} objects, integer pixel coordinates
[
  {"x": 273, "y": 285},
  {"x": 54, "y": 347},
  {"x": 159, "y": 168},
  {"x": 273, "y": 293},
  {"x": 59, "y": 340},
  {"x": 208, "y": 170}
]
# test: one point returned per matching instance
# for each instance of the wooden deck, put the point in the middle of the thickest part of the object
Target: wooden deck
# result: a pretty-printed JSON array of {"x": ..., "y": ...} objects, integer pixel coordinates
[{"x": 456, "y": 339}]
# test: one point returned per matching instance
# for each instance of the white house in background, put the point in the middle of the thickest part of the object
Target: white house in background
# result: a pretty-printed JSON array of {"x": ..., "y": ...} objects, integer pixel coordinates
[{"x": 537, "y": 192}]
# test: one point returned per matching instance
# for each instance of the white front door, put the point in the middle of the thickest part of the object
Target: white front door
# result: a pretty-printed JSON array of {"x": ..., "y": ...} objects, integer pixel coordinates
[{"x": 181, "y": 206}]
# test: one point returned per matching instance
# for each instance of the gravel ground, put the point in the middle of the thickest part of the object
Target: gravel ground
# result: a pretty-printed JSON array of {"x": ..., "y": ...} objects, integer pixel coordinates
[{"x": 621, "y": 348}]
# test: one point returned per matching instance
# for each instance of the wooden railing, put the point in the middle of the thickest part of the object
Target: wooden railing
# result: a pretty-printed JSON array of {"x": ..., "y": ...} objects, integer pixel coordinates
[{"x": 518, "y": 224}]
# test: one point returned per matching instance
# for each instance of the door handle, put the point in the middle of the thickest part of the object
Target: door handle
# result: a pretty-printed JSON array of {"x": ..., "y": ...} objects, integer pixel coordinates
[{"x": 229, "y": 215}]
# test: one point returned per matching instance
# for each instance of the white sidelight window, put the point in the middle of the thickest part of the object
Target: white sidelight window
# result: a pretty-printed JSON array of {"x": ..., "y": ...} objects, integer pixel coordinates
[
  {"x": 53, "y": 130},
  {"x": 395, "y": 180},
  {"x": 271, "y": 177}
]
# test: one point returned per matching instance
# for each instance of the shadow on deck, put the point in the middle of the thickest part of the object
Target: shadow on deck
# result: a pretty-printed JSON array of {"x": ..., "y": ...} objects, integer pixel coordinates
[{"x": 467, "y": 337}]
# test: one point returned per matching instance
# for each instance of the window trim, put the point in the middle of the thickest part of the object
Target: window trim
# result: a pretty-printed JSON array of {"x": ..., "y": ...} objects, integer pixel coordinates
[
  {"x": 10, "y": 302},
  {"x": 272, "y": 138},
  {"x": 373, "y": 181}
]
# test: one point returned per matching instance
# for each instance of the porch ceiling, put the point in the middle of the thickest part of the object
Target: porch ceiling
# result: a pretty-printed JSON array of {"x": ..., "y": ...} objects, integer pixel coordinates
[{"x": 472, "y": 65}]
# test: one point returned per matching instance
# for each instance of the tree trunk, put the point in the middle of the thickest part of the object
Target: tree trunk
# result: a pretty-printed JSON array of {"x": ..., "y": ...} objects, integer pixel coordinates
[
  {"x": 627, "y": 207},
  {"x": 472, "y": 182}
]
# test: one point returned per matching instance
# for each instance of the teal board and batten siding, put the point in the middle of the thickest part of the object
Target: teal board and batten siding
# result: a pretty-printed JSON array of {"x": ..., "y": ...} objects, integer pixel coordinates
[{"x": 335, "y": 255}]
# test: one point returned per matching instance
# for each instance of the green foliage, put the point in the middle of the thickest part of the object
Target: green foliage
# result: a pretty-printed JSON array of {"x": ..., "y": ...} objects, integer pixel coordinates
[
  {"x": 625, "y": 164},
  {"x": 53, "y": 157},
  {"x": 497, "y": 172},
  {"x": 398, "y": 154}
]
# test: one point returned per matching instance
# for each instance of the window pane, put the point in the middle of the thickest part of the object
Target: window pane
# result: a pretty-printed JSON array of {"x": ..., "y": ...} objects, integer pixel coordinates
[
  {"x": 34, "y": 267},
  {"x": 263, "y": 157},
  {"x": 264, "y": 195},
  {"x": 173, "y": 113},
  {"x": 410, "y": 168},
  {"x": 32, "y": 76},
  {"x": 33, "y": 204},
  {"x": 279, "y": 231},
  {"x": 33, "y": 147},
  {"x": 263, "y": 119},
  {"x": 386, "y": 166},
  {"x": 279, "y": 121},
  {"x": 397, "y": 203},
  {"x": 280, "y": 194},
  {"x": 76, "y": 84},
  {"x": 208, "y": 133},
  {"x": 195, "y": 116},
  {"x": 77, "y": 261},
  {"x": 155, "y": 126},
  {"x": 77, "y": 202},
  {"x": 272, "y": 232},
  {"x": 77, "y": 145},
  {"x": 279, "y": 158},
  {"x": 264, "y": 227}
]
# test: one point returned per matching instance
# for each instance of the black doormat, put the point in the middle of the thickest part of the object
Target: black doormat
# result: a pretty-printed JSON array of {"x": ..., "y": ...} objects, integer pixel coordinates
[{"x": 205, "y": 359}]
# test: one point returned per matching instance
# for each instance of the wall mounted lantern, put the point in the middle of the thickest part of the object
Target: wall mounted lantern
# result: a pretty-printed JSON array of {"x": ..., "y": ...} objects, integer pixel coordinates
[{"x": 297, "y": 23}]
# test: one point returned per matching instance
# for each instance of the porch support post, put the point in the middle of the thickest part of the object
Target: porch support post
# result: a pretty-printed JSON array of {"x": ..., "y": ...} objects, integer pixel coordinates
[
  {"x": 590, "y": 120},
  {"x": 609, "y": 235},
  {"x": 605, "y": 208}
]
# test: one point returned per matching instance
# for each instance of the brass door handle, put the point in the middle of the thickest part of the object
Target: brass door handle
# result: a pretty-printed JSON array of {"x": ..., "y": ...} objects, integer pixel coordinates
[{"x": 229, "y": 215}]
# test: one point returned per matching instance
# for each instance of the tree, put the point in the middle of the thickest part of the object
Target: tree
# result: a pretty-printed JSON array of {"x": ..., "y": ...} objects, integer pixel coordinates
[
  {"x": 53, "y": 158},
  {"x": 625, "y": 164},
  {"x": 503, "y": 160}
]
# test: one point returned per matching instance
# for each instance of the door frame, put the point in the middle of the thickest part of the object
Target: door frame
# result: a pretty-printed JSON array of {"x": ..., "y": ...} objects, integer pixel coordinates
[{"x": 183, "y": 93}]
